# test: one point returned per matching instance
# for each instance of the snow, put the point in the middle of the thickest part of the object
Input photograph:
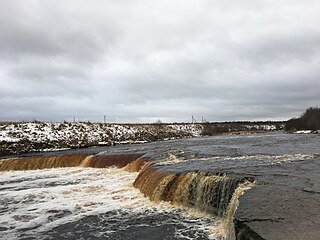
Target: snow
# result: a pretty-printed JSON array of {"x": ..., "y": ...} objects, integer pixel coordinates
[
  {"x": 194, "y": 129},
  {"x": 38, "y": 136},
  {"x": 303, "y": 131},
  {"x": 92, "y": 132}
]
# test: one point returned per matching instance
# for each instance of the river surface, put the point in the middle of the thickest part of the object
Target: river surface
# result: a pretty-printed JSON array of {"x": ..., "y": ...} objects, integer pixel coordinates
[{"x": 93, "y": 203}]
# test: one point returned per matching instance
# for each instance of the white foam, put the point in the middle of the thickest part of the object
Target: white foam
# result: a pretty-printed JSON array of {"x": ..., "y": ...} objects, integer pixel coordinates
[
  {"x": 256, "y": 159},
  {"x": 31, "y": 199}
]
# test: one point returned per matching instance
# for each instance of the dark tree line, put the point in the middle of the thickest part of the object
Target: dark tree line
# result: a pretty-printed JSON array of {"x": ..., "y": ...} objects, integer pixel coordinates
[
  {"x": 214, "y": 128},
  {"x": 309, "y": 120}
]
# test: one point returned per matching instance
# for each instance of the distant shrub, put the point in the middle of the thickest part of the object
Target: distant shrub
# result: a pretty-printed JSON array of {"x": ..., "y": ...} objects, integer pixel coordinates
[{"x": 209, "y": 129}]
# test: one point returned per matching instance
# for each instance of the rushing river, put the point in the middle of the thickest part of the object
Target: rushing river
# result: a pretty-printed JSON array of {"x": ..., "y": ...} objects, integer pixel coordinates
[
  {"x": 88, "y": 203},
  {"x": 102, "y": 203}
]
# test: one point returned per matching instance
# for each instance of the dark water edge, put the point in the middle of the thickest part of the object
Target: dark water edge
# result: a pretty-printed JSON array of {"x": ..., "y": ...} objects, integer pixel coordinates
[
  {"x": 149, "y": 225},
  {"x": 154, "y": 226},
  {"x": 243, "y": 232}
]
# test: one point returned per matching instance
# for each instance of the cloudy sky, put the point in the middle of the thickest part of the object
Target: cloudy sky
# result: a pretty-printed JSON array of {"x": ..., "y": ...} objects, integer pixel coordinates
[{"x": 142, "y": 60}]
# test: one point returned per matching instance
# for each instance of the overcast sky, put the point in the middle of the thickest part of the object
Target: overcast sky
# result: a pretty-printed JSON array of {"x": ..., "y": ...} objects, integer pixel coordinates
[{"x": 142, "y": 60}]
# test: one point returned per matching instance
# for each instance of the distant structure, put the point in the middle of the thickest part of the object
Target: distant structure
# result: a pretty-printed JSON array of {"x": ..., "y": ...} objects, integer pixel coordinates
[
  {"x": 203, "y": 120},
  {"x": 194, "y": 120}
]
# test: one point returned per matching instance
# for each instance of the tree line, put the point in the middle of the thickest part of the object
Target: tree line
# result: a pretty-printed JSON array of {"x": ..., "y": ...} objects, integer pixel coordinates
[{"x": 309, "y": 120}]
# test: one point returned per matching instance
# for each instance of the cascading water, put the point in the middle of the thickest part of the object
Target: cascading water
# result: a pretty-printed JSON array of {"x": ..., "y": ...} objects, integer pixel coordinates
[
  {"x": 205, "y": 192},
  {"x": 95, "y": 161},
  {"x": 216, "y": 195},
  {"x": 32, "y": 163},
  {"x": 212, "y": 195}
]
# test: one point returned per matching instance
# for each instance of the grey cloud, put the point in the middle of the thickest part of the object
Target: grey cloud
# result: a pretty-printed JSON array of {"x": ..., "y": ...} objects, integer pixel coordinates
[
  {"x": 33, "y": 29},
  {"x": 143, "y": 60}
]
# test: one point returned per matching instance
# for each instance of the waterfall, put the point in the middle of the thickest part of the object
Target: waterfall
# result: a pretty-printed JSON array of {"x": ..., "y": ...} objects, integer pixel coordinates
[
  {"x": 215, "y": 194},
  {"x": 96, "y": 161},
  {"x": 33, "y": 163},
  {"x": 205, "y": 192}
]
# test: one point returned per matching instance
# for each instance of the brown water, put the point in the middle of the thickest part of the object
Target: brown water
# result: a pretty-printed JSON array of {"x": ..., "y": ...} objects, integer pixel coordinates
[{"x": 182, "y": 189}]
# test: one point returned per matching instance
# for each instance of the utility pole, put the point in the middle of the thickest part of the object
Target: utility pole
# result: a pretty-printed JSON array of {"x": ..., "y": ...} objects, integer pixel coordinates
[
  {"x": 104, "y": 119},
  {"x": 74, "y": 119},
  {"x": 193, "y": 120}
]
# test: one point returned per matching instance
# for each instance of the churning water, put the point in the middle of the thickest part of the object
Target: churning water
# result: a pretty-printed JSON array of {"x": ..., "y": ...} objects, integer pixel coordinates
[
  {"x": 184, "y": 189},
  {"x": 88, "y": 203}
]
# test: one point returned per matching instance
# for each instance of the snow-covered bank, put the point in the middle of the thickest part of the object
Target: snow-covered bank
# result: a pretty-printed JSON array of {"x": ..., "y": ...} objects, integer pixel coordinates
[
  {"x": 39, "y": 136},
  {"x": 43, "y": 136}
]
